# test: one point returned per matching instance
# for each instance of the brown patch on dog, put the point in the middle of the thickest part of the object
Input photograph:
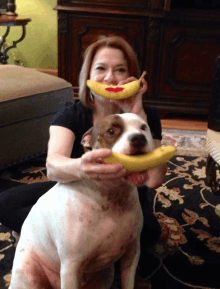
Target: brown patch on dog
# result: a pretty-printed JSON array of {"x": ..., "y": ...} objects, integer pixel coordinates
[
  {"x": 103, "y": 134},
  {"x": 107, "y": 131}
]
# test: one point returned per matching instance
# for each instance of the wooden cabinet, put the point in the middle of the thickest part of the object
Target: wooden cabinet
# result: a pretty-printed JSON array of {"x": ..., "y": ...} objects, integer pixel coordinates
[
  {"x": 177, "y": 46},
  {"x": 182, "y": 59}
]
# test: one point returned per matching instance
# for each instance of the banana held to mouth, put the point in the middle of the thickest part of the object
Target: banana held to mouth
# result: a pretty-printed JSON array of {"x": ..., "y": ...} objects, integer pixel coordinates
[
  {"x": 116, "y": 92},
  {"x": 143, "y": 162}
]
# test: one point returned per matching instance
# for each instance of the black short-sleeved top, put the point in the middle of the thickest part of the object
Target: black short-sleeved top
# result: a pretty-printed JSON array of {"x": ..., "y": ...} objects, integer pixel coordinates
[{"x": 78, "y": 118}]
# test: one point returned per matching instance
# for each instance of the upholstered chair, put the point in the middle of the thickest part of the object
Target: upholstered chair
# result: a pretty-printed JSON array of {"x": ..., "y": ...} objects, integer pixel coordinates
[
  {"x": 28, "y": 101},
  {"x": 213, "y": 132}
]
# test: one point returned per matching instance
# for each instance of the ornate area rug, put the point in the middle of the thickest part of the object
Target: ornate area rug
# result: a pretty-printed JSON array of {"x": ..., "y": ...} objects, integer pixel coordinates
[
  {"x": 187, "y": 254},
  {"x": 188, "y": 142},
  {"x": 188, "y": 251}
]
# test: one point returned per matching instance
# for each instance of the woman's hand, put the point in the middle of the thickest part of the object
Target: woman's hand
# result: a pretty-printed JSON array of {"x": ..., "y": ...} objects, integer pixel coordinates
[
  {"x": 93, "y": 167},
  {"x": 155, "y": 176},
  {"x": 133, "y": 103},
  {"x": 62, "y": 168}
]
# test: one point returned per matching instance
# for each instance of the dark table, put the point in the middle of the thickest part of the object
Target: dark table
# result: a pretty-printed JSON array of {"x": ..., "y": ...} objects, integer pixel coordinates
[{"x": 10, "y": 21}]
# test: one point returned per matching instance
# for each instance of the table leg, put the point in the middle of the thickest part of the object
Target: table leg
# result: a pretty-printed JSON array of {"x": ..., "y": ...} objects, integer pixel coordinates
[
  {"x": 1, "y": 46},
  {"x": 3, "y": 53}
]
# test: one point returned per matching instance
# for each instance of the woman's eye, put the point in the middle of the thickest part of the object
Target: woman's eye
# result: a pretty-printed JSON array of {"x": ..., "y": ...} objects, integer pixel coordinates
[
  {"x": 121, "y": 70},
  {"x": 99, "y": 68},
  {"x": 144, "y": 127}
]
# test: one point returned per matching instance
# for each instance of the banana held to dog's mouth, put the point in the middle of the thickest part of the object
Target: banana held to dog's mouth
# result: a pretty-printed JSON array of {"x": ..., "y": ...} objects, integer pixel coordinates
[
  {"x": 143, "y": 162},
  {"x": 116, "y": 92}
]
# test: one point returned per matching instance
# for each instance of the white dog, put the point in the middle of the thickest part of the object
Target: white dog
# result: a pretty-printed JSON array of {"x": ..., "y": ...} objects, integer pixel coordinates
[{"x": 77, "y": 231}]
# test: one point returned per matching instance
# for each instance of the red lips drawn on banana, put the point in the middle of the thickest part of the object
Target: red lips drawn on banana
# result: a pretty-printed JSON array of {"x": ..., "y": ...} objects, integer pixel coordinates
[{"x": 116, "y": 92}]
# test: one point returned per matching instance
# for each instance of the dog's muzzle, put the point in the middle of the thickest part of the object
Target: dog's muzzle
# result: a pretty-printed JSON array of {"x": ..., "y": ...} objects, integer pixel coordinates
[{"x": 138, "y": 141}]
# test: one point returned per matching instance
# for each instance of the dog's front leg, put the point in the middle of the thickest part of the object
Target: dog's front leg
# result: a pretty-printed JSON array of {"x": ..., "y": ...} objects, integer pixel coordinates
[
  {"x": 70, "y": 275},
  {"x": 129, "y": 264}
]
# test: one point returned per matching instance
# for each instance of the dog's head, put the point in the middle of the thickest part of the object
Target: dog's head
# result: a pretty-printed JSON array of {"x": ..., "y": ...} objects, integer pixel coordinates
[{"x": 124, "y": 133}]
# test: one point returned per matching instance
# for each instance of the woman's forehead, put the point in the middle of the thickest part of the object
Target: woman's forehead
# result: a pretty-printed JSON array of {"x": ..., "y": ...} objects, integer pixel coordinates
[{"x": 106, "y": 54}]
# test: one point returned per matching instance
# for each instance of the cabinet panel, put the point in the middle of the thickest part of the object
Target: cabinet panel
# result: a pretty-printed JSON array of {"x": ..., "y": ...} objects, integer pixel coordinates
[
  {"x": 185, "y": 71},
  {"x": 84, "y": 30}
]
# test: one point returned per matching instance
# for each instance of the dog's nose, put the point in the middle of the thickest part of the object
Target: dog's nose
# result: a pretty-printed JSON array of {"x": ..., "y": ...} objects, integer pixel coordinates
[{"x": 138, "y": 140}]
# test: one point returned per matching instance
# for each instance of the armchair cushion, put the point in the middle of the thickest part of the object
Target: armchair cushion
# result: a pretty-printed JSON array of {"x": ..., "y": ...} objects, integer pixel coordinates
[
  {"x": 213, "y": 144},
  {"x": 28, "y": 100}
]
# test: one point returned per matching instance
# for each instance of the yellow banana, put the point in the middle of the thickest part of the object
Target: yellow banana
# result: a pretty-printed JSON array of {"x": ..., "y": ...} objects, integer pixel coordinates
[
  {"x": 116, "y": 92},
  {"x": 142, "y": 162}
]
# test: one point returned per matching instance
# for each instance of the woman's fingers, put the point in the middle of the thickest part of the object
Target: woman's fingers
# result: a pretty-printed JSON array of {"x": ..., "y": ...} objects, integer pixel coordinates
[
  {"x": 103, "y": 168},
  {"x": 92, "y": 164},
  {"x": 97, "y": 154},
  {"x": 129, "y": 79},
  {"x": 131, "y": 103},
  {"x": 143, "y": 89}
]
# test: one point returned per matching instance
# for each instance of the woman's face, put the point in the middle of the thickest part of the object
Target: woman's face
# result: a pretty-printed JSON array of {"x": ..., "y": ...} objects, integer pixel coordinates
[{"x": 109, "y": 66}]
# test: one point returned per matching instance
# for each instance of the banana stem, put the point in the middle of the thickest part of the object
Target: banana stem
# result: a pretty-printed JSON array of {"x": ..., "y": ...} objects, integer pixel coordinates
[{"x": 142, "y": 76}]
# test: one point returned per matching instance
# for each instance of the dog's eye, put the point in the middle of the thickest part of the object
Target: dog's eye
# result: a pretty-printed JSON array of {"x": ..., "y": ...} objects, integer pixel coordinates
[
  {"x": 144, "y": 127},
  {"x": 111, "y": 131}
]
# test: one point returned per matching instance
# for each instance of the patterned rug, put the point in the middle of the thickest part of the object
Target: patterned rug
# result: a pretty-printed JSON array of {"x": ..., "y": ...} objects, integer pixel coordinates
[
  {"x": 188, "y": 251},
  {"x": 187, "y": 254},
  {"x": 188, "y": 142}
]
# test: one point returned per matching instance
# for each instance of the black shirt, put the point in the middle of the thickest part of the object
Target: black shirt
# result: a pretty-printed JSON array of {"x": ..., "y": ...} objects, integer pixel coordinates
[{"x": 78, "y": 118}]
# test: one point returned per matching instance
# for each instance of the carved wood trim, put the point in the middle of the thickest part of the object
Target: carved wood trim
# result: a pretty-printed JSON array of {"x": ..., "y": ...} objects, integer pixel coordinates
[
  {"x": 139, "y": 4},
  {"x": 114, "y": 10},
  {"x": 63, "y": 23},
  {"x": 166, "y": 7},
  {"x": 153, "y": 31}
]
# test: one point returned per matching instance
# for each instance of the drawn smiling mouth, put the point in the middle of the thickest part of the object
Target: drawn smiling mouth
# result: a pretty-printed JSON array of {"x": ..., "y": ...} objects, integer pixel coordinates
[
  {"x": 114, "y": 89},
  {"x": 116, "y": 92}
]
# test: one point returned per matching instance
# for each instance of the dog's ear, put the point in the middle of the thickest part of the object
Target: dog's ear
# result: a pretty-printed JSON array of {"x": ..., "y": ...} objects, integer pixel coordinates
[{"x": 86, "y": 141}]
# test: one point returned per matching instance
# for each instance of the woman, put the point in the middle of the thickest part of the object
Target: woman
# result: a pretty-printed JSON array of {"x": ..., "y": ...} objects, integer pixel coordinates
[{"x": 111, "y": 61}]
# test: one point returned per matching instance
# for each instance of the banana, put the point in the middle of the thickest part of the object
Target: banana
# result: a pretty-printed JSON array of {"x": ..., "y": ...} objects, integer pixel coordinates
[
  {"x": 116, "y": 92},
  {"x": 142, "y": 162}
]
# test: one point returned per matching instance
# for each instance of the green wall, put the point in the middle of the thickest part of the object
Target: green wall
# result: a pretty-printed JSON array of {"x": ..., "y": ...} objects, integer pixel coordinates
[{"x": 39, "y": 47}]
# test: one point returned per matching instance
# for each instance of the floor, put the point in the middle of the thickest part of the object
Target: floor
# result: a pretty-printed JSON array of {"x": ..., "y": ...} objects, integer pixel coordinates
[
  {"x": 185, "y": 121},
  {"x": 184, "y": 124}
]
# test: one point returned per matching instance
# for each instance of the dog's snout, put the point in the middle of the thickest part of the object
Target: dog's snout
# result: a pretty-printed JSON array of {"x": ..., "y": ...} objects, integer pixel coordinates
[{"x": 138, "y": 140}]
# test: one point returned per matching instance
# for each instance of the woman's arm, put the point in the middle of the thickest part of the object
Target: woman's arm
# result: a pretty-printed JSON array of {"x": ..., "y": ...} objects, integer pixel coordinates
[
  {"x": 62, "y": 168},
  {"x": 59, "y": 164},
  {"x": 155, "y": 176}
]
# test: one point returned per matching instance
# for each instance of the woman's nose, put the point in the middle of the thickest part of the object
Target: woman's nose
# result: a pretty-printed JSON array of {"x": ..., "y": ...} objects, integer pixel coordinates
[{"x": 110, "y": 78}]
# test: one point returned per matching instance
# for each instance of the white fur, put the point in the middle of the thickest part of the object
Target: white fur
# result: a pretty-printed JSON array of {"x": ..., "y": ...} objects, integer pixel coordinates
[{"x": 132, "y": 124}]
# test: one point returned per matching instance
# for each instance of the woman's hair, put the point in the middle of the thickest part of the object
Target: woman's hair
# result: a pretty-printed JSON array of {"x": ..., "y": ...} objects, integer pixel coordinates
[{"x": 104, "y": 41}]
